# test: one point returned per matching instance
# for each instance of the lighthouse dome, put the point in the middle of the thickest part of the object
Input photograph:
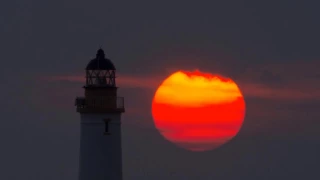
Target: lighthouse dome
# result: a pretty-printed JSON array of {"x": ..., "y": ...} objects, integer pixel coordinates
[{"x": 100, "y": 62}]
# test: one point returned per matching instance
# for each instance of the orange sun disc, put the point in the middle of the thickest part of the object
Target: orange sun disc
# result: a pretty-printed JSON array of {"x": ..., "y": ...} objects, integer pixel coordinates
[{"x": 198, "y": 111}]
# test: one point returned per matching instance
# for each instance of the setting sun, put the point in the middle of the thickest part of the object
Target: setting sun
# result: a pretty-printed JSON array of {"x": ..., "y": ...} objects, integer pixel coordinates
[{"x": 198, "y": 111}]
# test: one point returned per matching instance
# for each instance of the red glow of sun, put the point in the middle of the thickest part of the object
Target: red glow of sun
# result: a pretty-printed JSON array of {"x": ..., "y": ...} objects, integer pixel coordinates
[{"x": 198, "y": 111}]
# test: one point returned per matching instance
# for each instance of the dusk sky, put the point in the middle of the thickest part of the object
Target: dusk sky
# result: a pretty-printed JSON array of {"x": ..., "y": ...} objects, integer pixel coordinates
[{"x": 269, "y": 48}]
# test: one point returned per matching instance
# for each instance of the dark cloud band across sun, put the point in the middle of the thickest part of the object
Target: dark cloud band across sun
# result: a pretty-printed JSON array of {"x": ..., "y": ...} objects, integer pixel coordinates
[{"x": 297, "y": 90}]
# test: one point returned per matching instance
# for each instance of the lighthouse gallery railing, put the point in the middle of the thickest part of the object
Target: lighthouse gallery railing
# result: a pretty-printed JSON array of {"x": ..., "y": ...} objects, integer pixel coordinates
[{"x": 100, "y": 102}]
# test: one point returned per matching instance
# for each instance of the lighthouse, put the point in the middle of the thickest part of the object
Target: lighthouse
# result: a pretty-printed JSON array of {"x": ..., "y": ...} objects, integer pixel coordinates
[{"x": 100, "y": 117}]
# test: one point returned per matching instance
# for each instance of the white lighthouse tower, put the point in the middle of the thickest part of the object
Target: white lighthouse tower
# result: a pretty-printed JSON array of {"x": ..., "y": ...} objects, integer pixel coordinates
[{"x": 100, "y": 110}]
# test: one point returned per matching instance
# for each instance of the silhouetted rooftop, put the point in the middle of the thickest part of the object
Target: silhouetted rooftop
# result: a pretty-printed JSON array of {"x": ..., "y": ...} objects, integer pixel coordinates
[{"x": 100, "y": 62}]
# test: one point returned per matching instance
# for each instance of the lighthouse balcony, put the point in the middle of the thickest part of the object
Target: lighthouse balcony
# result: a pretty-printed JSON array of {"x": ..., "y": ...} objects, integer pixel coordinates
[{"x": 100, "y": 104}]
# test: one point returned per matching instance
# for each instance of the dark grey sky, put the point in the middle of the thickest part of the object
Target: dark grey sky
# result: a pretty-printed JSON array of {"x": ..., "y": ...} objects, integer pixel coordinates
[{"x": 270, "y": 48}]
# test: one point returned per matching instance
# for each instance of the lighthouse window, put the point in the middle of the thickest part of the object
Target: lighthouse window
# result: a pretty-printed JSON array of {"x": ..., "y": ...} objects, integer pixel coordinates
[{"x": 106, "y": 126}]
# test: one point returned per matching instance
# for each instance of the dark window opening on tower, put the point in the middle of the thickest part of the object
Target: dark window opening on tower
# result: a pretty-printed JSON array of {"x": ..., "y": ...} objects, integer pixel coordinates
[
  {"x": 106, "y": 126},
  {"x": 93, "y": 102}
]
